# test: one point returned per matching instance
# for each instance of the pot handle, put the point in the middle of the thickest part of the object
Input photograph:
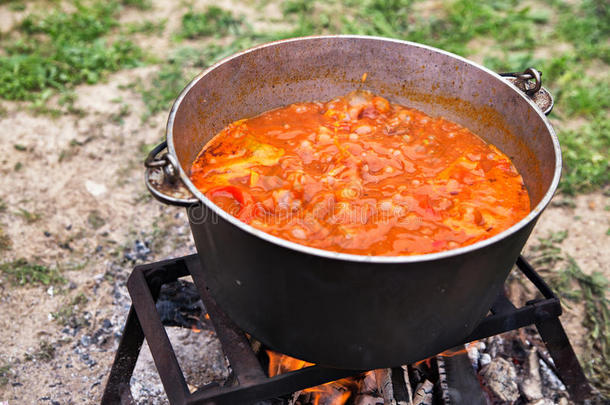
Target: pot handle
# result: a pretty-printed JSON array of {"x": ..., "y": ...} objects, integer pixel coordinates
[
  {"x": 538, "y": 94},
  {"x": 162, "y": 179}
]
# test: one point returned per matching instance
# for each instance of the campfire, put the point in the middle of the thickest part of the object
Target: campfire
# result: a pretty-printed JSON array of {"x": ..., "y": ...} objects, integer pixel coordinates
[
  {"x": 424, "y": 383},
  {"x": 333, "y": 393},
  {"x": 527, "y": 365}
]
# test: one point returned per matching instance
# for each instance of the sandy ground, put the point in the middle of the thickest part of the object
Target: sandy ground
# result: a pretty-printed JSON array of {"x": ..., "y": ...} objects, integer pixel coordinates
[
  {"x": 587, "y": 242},
  {"x": 82, "y": 177}
]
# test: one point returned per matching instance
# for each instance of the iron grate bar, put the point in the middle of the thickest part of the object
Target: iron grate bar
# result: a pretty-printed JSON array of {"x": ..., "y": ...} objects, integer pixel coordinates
[
  {"x": 520, "y": 317},
  {"x": 529, "y": 272},
  {"x": 268, "y": 388},
  {"x": 502, "y": 305},
  {"x": 124, "y": 360},
  {"x": 144, "y": 296},
  {"x": 235, "y": 345},
  {"x": 144, "y": 285}
]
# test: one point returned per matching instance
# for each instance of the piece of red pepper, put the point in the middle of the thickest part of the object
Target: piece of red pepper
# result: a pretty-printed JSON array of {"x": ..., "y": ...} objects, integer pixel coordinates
[{"x": 244, "y": 199}]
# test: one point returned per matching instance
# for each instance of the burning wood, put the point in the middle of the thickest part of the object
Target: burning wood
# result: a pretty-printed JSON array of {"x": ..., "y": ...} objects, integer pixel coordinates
[
  {"x": 394, "y": 386},
  {"x": 457, "y": 378},
  {"x": 419, "y": 384},
  {"x": 502, "y": 379},
  {"x": 377, "y": 387},
  {"x": 369, "y": 393},
  {"x": 405, "y": 375},
  {"x": 333, "y": 393},
  {"x": 423, "y": 393},
  {"x": 531, "y": 386}
]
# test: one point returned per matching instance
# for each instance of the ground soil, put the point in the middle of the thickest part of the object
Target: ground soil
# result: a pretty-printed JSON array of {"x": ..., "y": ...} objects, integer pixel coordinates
[{"x": 82, "y": 177}]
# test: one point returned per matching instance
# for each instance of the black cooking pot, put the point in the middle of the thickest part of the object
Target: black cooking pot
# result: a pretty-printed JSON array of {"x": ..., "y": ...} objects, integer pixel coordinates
[{"x": 345, "y": 310}]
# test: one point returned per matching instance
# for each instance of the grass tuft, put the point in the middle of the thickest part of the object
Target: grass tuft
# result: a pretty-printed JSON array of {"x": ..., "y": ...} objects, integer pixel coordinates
[
  {"x": 453, "y": 26},
  {"x": 214, "y": 21},
  {"x": 5, "y": 374},
  {"x": 139, "y": 4},
  {"x": 30, "y": 217},
  {"x": 119, "y": 116},
  {"x": 95, "y": 219},
  {"x": 587, "y": 27},
  {"x": 22, "y": 272},
  {"x": 60, "y": 49},
  {"x": 569, "y": 282},
  {"x": 147, "y": 27},
  {"x": 170, "y": 80},
  {"x": 5, "y": 240},
  {"x": 45, "y": 352},
  {"x": 585, "y": 156},
  {"x": 67, "y": 314}
]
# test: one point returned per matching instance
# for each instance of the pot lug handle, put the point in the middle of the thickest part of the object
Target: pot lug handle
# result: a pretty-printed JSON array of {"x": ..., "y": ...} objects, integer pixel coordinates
[
  {"x": 538, "y": 94},
  {"x": 162, "y": 180}
]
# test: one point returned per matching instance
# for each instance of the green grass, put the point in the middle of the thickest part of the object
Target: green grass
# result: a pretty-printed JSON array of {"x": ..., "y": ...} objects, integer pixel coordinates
[
  {"x": 585, "y": 156},
  {"x": 5, "y": 240},
  {"x": 17, "y": 6},
  {"x": 22, "y": 272},
  {"x": 95, "y": 219},
  {"x": 29, "y": 217},
  {"x": 146, "y": 27},
  {"x": 548, "y": 250},
  {"x": 583, "y": 96},
  {"x": 5, "y": 374},
  {"x": 119, "y": 116},
  {"x": 572, "y": 285},
  {"x": 457, "y": 22},
  {"x": 68, "y": 315},
  {"x": 171, "y": 79},
  {"x": 60, "y": 49},
  {"x": 45, "y": 352},
  {"x": 164, "y": 87},
  {"x": 139, "y": 4},
  {"x": 214, "y": 21},
  {"x": 587, "y": 27}
]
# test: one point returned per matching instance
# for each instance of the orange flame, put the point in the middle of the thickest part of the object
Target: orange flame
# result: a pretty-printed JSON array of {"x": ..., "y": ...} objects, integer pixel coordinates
[
  {"x": 332, "y": 393},
  {"x": 453, "y": 352},
  {"x": 447, "y": 353},
  {"x": 280, "y": 363}
]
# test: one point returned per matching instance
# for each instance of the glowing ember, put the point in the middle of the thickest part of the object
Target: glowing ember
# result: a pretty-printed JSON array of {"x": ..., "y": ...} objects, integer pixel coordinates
[
  {"x": 332, "y": 393},
  {"x": 447, "y": 353}
]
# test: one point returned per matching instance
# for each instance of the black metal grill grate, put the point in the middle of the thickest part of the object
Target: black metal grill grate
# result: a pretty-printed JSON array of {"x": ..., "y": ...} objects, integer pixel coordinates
[{"x": 253, "y": 384}]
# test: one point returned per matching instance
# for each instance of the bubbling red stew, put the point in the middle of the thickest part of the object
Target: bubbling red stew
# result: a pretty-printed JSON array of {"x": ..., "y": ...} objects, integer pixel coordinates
[{"x": 361, "y": 175}]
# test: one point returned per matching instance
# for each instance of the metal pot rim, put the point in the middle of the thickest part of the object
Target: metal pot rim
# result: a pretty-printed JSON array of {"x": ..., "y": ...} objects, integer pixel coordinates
[{"x": 348, "y": 256}]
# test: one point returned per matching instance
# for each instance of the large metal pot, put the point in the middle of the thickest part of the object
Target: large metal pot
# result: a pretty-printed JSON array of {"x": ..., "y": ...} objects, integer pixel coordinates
[{"x": 344, "y": 310}]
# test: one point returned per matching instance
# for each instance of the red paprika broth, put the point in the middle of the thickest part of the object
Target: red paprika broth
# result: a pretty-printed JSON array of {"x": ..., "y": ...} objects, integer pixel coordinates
[{"x": 361, "y": 175}]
